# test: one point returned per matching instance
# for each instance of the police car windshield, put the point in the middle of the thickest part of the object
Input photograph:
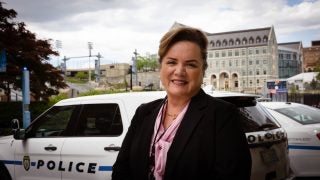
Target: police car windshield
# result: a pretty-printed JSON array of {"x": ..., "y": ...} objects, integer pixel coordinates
[{"x": 301, "y": 114}]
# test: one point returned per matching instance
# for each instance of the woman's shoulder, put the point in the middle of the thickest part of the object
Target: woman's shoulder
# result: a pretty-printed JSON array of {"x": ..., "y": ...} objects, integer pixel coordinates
[
  {"x": 218, "y": 102},
  {"x": 151, "y": 105}
]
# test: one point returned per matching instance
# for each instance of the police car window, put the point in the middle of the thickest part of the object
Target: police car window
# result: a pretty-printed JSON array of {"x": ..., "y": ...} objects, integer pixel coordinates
[
  {"x": 100, "y": 120},
  {"x": 301, "y": 114},
  {"x": 254, "y": 118},
  {"x": 52, "y": 123}
]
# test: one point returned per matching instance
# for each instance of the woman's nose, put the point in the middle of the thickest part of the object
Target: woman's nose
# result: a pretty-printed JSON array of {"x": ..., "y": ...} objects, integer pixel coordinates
[{"x": 180, "y": 69}]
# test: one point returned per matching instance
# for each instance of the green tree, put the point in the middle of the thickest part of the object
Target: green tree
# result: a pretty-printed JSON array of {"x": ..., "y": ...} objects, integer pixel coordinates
[
  {"x": 81, "y": 75},
  {"x": 313, "y": 84},
  {"x": 23, "y": 49},
  {"x": 317, "y": 69},
  {"x": 147, "y": 62}
]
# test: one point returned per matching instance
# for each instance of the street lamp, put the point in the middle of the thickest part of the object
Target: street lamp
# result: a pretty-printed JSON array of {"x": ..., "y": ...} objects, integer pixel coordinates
[
  {"x": 90, "y": 48},
  {"x": 58, "y": 45},
  {"x": 135, "y": 68}
]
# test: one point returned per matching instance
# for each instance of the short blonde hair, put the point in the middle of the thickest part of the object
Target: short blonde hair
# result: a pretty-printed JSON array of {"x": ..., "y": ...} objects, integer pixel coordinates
[{"x": 184, "y": 34}]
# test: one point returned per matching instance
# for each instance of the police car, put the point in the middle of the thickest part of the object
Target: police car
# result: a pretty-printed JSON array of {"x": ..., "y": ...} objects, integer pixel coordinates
[{"x": 79, "y": 138}]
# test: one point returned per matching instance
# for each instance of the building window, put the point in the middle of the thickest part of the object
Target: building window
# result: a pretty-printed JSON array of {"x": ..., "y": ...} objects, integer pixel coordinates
[
  {"x": 250, "y": 51},
  {"x": 243, "y": 52},
  {"x": 210, "y": 55},
  {"x": 264, "y": 50},
  {"x": 244, "y": 41},
  {"x": 265, "y": 39},
  {"x": 230, "y": 63},
  {"x": 223, "y": 54},
  {"x": 236, "y": 84},
  {"x": 250, "y": 62},
  {"x": 237, "y": 41},
  {"x": 280, "y": 56},
  {"x": 294, "y": 56},
  {"x": 264, "y": 72},
  {"x": 212, "y": 43},
  {"x": 258, "y": 72},
  {"x": 250, "y": 72},
  {"x": 257, "y": 62},
  {"x": 243, "y": 62},
  {"x": 236, "y": 63},
  {"x": 236, "y": 52},
  {"x": 231, "y": 42},
  {"x": 243, "y": 73},
  {"x": 223, "y": 63},
  {"x": 230, "y": 53},
  {"x": 250, "y": 82},
  {"x": 217, "y": 63},
  {"x": 258, "y": 40},
  {"x": 288, "y": 56},
  {"x": 258, "y": 81},
  {"x": 224, "y": 43},
  {"x": 257, "y": 51},
  {"x": 217, "y": 54},
  {"x": 265, "y": 61},
  {"x": 251, "y": 40},
  {"x": 218, "y": 43},
  {"x": 244, "y": 82}
]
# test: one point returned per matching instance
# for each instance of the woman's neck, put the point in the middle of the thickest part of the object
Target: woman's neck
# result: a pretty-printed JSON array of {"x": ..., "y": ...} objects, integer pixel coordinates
[{"x": 175, "y": 105}]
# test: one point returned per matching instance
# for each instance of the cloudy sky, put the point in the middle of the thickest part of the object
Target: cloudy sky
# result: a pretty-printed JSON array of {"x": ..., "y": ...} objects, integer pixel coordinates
[{"x": 118, "y": 27}]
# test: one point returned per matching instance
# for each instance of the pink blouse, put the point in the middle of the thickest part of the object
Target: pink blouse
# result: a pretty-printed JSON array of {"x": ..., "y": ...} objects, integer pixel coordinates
[{"x": 162, "y": 146}]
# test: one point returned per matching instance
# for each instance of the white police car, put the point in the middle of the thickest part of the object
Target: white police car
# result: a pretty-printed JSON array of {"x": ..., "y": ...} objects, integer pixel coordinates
[
  {"x": 79, "y": 138},
  {"x": 302, "y": 123}
]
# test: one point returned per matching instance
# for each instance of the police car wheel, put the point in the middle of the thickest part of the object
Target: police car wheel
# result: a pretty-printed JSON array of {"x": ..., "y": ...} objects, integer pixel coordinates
[{"x": 4, "y": 174}]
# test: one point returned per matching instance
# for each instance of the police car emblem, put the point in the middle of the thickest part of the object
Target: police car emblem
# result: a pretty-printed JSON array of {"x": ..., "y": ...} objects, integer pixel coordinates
[{"x": 26, "y": 162}]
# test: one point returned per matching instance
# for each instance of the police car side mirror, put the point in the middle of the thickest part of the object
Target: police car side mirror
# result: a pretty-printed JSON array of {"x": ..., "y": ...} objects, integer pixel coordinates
[
  {"x": 17, "y": 132},
  {"x": 15, "y": 124}
]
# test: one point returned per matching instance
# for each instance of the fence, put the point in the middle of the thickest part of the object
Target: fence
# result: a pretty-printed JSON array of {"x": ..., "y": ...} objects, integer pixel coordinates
[{"x": 311, "y": 99}]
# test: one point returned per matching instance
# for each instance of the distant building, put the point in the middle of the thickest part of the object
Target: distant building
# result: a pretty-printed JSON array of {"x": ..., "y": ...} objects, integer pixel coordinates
[
  {"x": 290, "y": 59},
  {"x": 242, "y": 60},
  {"x": 310, "y": 56}
]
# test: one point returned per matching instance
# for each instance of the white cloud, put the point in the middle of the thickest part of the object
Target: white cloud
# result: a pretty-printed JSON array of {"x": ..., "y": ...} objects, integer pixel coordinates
[{"x": 117, "y": 28}]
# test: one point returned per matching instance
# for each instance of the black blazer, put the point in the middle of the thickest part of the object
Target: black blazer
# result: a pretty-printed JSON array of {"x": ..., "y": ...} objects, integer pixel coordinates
[{"x": 209, "y": 143}]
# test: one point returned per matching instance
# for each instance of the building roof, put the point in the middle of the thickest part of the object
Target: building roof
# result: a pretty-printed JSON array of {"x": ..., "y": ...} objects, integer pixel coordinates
[
  {"x": 260, "y": 36},
  {"x": 291, "y": 45},
  {"x": 305, "y": 77}
]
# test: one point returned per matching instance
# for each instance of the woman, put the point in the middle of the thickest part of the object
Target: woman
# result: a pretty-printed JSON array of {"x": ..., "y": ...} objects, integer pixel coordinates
[{"x": 188, "y": 134}]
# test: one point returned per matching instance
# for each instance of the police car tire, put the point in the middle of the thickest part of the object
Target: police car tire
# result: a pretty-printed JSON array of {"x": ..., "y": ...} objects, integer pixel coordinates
[{"x": 4, "y": 174}]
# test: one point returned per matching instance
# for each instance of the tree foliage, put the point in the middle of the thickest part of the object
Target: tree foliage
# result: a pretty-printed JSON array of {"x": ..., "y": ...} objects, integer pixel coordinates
[
  {"x": 317, "y": 69},
  {"x": 23, "y": 49},
  {"x": 147, "y": 63}
]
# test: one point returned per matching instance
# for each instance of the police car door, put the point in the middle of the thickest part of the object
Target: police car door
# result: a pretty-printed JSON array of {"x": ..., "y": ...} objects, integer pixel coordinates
[
  {"x": 40, "y": 151},
  {"x": 93, "y": 150}
]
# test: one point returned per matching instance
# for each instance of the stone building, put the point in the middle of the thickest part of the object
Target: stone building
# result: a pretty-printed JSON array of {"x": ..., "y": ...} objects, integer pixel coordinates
[
  {"x": 242, "y": 60},
  {"x": 290, "y": 59},
  {"x": 310, "y": 56}
]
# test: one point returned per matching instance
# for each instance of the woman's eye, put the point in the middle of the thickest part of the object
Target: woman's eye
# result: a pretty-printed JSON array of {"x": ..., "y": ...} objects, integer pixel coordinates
[
  {"x": 171, "y": 62},
  {"x": 192, "y": 65}
]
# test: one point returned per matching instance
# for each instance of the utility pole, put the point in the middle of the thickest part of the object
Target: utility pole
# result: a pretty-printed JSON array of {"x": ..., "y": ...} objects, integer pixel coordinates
[
  {"x": 90, "y": 48},
  {"x": 135, "y": 65},
  {"x": 58, "y": 46},
  {"x": 25, "y": 97},
  {"x": 97, "y": 68}
]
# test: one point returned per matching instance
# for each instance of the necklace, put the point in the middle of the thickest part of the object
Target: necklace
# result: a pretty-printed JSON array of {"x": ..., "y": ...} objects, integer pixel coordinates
[{"x": 174, "y": 116}]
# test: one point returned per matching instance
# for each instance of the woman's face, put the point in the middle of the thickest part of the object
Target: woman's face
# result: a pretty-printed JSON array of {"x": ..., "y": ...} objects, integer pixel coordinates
[{"x": 181, "y": 71}]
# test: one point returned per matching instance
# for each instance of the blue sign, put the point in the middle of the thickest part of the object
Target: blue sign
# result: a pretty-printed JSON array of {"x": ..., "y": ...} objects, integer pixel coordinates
[
  {"x": 278, "y": 86},
  {"x": 3, "y": 61}
]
